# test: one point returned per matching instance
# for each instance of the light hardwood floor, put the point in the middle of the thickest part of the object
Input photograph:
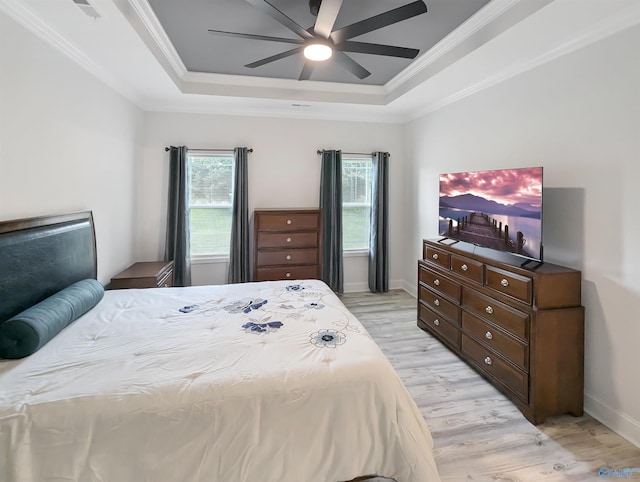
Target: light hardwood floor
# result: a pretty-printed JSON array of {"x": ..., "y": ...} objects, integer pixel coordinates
[{"x": 479, "y": 435}]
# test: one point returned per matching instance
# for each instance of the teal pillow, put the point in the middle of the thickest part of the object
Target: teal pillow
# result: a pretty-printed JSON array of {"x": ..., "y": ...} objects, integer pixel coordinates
[{"x": 30, "y": 330}]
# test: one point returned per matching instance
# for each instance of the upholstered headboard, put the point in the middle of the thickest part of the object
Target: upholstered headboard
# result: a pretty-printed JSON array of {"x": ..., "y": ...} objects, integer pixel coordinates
[{"x": 41, "y": 256}]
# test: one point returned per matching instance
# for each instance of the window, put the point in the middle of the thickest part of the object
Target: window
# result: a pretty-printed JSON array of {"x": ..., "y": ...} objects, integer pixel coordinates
[
  {"x": 210, "y": 199},
  {"x": 356, "y": 203}
]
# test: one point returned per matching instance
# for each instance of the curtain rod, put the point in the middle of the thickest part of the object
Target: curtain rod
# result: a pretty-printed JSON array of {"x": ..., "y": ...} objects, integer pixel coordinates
[
  {"x": 225, "y": 150},
  {"x": 350, "y": 153}
]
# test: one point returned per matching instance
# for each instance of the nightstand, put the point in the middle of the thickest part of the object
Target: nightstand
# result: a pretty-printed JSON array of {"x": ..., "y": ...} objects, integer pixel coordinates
[{"x": 147, "y": 274}]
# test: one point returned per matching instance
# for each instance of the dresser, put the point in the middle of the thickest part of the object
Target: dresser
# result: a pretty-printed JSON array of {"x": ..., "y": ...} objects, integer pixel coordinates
[
  {"x": 145, "y": 274},
  {"x": 520, "y": 326},
  {"x": 287, "y": 244}
]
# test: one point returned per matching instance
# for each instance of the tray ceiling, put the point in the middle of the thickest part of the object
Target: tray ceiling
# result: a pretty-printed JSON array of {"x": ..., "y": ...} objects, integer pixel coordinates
[{"x": 187, "y": 25}]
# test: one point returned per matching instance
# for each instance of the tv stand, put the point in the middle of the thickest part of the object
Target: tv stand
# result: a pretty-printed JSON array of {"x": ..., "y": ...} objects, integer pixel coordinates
[
  {"x": 521, "y": 329},
  {"x": 448, "y": 241},
  {"x": 536, "y": 266}
]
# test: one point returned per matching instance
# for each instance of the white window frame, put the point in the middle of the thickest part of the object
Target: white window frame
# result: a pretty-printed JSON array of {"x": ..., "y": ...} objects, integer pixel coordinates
[
  {"x": 356, "y": 252},
  {"x": 209, "y": 257}
]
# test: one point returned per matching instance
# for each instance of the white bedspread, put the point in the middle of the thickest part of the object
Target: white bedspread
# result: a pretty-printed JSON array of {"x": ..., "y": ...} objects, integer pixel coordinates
[{"x": 272, "y": 381}]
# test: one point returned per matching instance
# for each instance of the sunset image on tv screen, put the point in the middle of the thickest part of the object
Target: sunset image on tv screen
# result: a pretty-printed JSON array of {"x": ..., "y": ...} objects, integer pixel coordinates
[{"x": 499, "y": 209}]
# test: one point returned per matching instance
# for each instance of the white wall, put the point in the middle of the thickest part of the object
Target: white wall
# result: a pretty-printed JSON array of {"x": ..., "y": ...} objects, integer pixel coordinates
[
  {"x": 579, "y": 117},
  {"x": 284, "y": 172},
  {"x": 67, "y": 143}
]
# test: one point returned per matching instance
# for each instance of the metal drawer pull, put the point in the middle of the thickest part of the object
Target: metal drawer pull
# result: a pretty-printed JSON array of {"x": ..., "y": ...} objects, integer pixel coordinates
[
  {"x": 436, "y": 282},
  {"x": 464, "y": 267},
  {"x": 288, "y": 275},
  {"x": 488, "y": 360},
  {"x": 488, "y": 335},
  {"x": 504, "y": 282},
  {"x": 288, "y": 240},
  {"x": 435, "y": 256},
  {"x": 288, "y": 221},
  {"x": 288, "y": 256},
  {"x": 436, "y": 302},
  {"x": 436, "y": 322},
  {"x": 489, "y": 310}
]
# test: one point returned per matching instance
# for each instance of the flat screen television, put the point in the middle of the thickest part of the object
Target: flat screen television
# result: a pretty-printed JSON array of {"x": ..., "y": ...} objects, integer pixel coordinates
[{"x": 499, "y": 209}]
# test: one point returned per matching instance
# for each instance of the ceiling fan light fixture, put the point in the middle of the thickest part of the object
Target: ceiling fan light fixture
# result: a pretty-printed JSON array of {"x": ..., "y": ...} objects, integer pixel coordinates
[{"x": 318, "y": 52}]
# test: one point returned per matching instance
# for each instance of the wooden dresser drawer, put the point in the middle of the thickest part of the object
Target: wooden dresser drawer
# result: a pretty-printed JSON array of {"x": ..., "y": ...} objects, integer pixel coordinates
[
  {"x": 470, "y": 269},
  {"x": 289, "y": 240},
  {"x": 507, "y": 318},
  {"x": 288, "y": 222},
  {"x": 440, "y": 304},
  {"x": 437, "y": 256},
  {"x": 146, "y": 274},
  {"x": 519, "y": 324},
  {"x": 487, "y": 361},
  {"x": 284, "y": 273},
  {"x": 439, "y": 283},
  {"x": 288, "y": 257},
  {"x": 509, "y": 347},
  {"x": 520, "y": 287},
  {"x": 287, "y": 244},
  {"x": 438, "y": 325}
]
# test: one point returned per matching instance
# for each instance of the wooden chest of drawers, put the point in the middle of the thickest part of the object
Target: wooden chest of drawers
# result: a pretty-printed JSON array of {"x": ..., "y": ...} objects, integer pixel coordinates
[
  {"x": 522, "y": 329},
  {"x": 146, "y": 274},
  {"x": 287, "y": 244}
]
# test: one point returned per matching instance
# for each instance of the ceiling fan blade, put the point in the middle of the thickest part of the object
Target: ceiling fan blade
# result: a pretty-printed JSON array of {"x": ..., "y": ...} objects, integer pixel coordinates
[
  {"x": 377, "y": 49},
  {"x": 276, "y": 14},
  {"x": 351, "y": 65},
  {"x": 258, "y": 37},
  {"x": 378, "y": 21},
  {"x": 307, "y": 69},
  {"x": 273, "y": 58},
  {"x": 327, "y": 16}
]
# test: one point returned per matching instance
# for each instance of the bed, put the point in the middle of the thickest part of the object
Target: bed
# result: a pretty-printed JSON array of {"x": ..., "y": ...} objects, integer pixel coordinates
[{"x": 270, "y": 381}]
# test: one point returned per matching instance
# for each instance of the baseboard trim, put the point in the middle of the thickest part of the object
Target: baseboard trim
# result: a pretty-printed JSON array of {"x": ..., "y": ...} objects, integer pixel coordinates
[
  {"x": 362, "y": 287},
  {"x": 621, "y": 423}
]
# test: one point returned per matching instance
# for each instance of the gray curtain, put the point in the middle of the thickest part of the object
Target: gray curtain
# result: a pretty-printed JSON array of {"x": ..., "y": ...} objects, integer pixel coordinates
[
  {"x": 239, "y": 271},
  {"x": 177, "y": 241},
  {"x": 379, "y": 237},
  {"x": 331, "y": 206}
]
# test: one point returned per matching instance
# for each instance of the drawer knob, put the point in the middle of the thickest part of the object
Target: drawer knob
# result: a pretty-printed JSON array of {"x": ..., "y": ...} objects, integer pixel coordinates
[
  {"x": 288, "y": 240},
  {"x": 436, "y": 322},
  {"x": 288, "y": 275},
  {"x": 504, "y": 282},
  {"x": 288, "y": 256},
  {"x": 435, "y": 256},
  {"x": 464, "y": 267},
  {"x": 488, "y": 360},
  {"x": 489, "y": 310},
  {"x": 488, "y": 335},
  {"x": 436, "y": 282},
  {"x": 288, "y": 221},
  {"x": 436, "y": 302}
]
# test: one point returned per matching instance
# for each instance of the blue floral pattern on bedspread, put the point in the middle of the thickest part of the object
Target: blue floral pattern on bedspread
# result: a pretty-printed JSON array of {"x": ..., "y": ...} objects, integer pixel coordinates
[
  {"x": 245, "y": 305},
  {"x": 306, "y": 310},
  {"x": 328, "y": 338},
  {"x": 252, "y": 327}
]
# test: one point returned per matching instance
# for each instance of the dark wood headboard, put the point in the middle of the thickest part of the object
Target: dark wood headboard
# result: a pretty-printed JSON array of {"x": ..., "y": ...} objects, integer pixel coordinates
[{"x": 40, "y": 256}]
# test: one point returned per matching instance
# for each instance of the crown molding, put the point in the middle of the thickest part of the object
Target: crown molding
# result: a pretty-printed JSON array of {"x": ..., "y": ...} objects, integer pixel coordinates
[
  {"x": 284, "y": 113},
  {"x": 26, "y": 17},
  {"x": 477, "y": 22},
  {"x": 611, "y": 25},
  {"x": 270, "y": 88},
  {"x": 140, "y": 14}
]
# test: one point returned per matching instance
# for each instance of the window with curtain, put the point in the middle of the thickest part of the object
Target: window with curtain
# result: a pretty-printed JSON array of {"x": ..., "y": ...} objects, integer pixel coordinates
[
  {"x": 356, "y": 203},
  {"x": 210, "y": 183}
]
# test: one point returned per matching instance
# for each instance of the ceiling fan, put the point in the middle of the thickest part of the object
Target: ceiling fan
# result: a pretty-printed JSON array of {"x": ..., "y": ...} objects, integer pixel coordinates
[{"x": 321, "y": 42}]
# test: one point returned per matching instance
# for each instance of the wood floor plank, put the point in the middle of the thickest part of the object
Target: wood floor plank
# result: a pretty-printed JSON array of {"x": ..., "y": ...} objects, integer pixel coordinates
[{"x": 479, "y": 435}]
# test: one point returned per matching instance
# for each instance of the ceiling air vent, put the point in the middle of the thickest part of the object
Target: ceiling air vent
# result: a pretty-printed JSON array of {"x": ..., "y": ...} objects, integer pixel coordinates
[{"x": 87, "y": 8}]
